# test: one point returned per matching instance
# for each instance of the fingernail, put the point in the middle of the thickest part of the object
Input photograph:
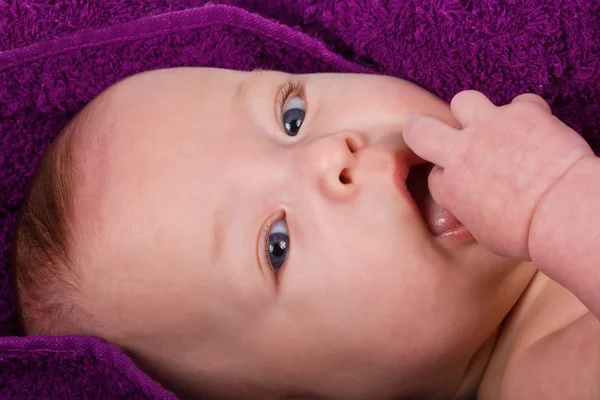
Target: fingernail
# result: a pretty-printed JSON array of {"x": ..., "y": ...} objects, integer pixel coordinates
[{"x": 413, "y": 118}]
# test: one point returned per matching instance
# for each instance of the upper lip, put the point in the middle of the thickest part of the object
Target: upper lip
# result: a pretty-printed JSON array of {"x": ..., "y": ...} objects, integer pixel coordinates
[{"x": 405, "y": 159}]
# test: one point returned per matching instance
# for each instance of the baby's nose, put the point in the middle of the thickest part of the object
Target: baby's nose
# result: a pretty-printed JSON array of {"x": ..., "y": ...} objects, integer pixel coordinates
[{"x": 331, "y": 160}]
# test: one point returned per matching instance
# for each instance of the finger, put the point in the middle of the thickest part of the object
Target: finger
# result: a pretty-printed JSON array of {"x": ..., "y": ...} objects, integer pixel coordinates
[
  {"x": 533, "y": 99},
  {"x": 436, "y": 184},
  {"x": 470, "y": 104},
  {"x": 431, "y": 139}
]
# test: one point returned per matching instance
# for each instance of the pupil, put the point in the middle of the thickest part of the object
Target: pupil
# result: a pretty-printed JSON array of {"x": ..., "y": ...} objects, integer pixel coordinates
[
  {"x": 278, "y": 246},
  {"x": 292, "y": 119},
  {"x": 278, "y": 249}
]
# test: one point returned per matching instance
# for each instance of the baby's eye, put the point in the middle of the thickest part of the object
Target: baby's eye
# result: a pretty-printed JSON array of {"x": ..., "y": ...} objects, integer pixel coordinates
[
  {"x": 293, "y": 115},
  {"x": 278, "y": 244}
]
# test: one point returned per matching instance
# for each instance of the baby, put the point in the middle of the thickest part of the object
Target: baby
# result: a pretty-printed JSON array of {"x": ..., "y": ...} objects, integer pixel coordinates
[{"x": 263, "y": 235}]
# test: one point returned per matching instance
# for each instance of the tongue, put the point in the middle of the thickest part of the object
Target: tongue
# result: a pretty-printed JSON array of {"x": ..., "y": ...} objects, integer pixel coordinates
[{"x": 437, "y": 219}]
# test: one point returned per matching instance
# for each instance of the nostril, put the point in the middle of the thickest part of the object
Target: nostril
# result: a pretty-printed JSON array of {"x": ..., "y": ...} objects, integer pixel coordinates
[
  {"x": 353, "y": 144},
  {"x": 345, "y": 176}
]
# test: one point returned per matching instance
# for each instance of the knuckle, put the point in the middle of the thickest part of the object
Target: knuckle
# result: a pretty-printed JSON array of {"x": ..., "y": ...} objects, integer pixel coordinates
[
  {"x": 530, "y": 102},
  {"x": 525, "y": 110},
  {"x": 529, "y": 97},
  {"x": 465, "y": 94}
]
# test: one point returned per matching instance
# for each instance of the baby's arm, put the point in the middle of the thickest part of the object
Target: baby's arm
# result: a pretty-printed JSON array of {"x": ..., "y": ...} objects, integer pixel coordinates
[
  {"x": 524, "y": 183},
  {"x": 527, "y": 186},
  {"x": 564, "y": 238},
  {"x": 564, "y": 242}
]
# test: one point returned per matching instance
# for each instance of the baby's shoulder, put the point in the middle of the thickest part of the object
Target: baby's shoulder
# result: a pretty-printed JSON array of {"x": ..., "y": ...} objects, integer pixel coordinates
[{"x": 544, "y": 309}]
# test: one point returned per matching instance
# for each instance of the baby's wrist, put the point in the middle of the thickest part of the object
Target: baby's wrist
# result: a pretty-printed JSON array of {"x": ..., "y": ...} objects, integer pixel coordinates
[
  {"x": 551, "y": 223},
  {"x": 565, "y": 230}
]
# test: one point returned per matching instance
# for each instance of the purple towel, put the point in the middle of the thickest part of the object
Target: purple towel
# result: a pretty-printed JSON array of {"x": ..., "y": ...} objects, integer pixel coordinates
[{"x": 56, "y": 55}]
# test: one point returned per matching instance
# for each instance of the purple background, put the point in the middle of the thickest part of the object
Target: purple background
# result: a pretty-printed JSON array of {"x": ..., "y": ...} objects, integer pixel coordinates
[{"x": 56, "y": 55}]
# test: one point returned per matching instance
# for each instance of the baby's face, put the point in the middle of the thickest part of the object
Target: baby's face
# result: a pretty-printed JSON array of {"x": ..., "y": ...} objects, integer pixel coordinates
[{"x": 251, "y": 224}]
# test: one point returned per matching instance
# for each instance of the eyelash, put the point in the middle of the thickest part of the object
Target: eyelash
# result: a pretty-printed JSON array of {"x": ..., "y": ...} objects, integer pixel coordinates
[{"x": 291, "y": 87}]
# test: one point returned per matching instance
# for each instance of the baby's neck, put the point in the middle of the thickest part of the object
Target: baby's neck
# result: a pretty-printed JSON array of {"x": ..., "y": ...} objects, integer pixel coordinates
[{"x": 488, "y": 363}]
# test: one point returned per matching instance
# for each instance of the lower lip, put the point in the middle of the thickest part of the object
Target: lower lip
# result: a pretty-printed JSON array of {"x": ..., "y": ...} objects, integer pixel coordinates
[{"x": 458, "y": 233}]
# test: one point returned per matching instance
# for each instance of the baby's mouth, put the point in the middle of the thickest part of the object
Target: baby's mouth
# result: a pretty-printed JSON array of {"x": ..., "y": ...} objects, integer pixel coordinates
[{"x": 438, "y": 220}]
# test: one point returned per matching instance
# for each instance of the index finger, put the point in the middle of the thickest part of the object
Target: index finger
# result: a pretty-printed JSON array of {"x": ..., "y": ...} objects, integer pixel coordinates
[{"x": 431, "y": 139}]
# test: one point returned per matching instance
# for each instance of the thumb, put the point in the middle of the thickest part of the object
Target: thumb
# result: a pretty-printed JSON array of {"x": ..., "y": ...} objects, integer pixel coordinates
[{"x": 438, "y": 186}]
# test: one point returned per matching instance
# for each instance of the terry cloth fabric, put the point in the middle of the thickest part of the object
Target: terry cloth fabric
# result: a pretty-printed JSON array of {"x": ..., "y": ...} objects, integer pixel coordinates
[{"x": 56, "y": 55}]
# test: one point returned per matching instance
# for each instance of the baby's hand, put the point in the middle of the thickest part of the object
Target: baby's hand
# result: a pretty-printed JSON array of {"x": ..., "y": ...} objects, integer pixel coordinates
[{"x": 492, "y": 174}]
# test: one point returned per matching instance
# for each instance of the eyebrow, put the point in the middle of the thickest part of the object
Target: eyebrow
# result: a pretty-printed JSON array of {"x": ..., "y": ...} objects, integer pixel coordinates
[
  {"x": 222, "y": 218},
  {"x": 243, "y": 85},
  {"x": 239, "y": 91},
  {"x": 219, "y": 233}
]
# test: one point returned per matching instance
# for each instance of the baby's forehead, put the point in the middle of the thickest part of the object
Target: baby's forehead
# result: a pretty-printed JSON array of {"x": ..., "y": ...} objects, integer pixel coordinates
[
  {"x": 122, "y": 134},
  {"x": 148, "y": 123}
]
